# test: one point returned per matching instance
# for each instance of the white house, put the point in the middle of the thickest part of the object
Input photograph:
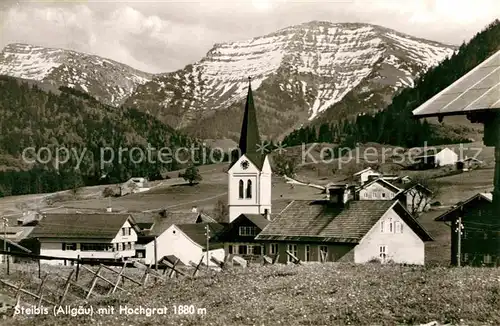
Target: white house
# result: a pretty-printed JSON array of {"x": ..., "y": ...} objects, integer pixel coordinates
[
  {"x": 351, "y": 231},
  {"x": 443, "y": 157},
  {"x": 365, "y": 175},
  {"x": 250, "y": 174},
  {"x": 415, "y": 197},
  {"x": 378, "y": 189},
  {"x": 155, "y": 225},
  {"x": 187, "y": 242},
  {"x": 102, "y": 236}
]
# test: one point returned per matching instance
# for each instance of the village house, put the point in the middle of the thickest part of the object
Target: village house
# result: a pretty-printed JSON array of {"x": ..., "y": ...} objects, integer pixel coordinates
[
  {"x": 468, "y": 163},
  {"x": 99, "y": 236},
  {"x": 239, "y": 236},
  {"x": 342, "y": 229},
  {"x": 188, "y": 243},
  {"x": 366, "y": 175},
  {"x": 154, "y": 225},
  {"x": 15, "y": 241},
  {"x": 438, "y": 158},
  {"x": 414, "y": 196},
  {"x": 479, "y": 237}
]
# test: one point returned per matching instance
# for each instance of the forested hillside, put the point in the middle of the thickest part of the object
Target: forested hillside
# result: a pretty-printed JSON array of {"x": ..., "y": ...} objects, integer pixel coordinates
[
  {"x": 395, "y": 125},
  {"x": 30, "y": 117}
]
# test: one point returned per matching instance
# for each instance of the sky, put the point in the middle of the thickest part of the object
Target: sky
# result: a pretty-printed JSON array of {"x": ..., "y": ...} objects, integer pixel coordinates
[{"x": 163, "y": 36}]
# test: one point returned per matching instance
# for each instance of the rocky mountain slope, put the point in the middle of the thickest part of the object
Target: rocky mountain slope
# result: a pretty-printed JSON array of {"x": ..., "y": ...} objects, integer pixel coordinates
[
  {"x": 298, "y": 73},
  {"x": 109, "y": 81}
]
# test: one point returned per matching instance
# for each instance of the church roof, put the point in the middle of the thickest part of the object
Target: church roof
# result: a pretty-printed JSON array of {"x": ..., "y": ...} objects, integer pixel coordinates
[{"x": 250, "y": 141}]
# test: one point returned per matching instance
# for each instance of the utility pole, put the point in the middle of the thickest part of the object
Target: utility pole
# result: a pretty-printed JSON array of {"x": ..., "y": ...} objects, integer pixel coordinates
[
  {"x": 207, "y": 234},
  {"x": 460, "y": 227}
]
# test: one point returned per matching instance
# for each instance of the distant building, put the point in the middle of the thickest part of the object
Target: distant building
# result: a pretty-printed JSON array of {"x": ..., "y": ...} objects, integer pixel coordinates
[
  {"x": 479, "y": 237},
  {"x": 468, "y": 163},
  {"x": 134, "y": 185},
  {"x": 341, "y": 229},
  {"x": 102, "y": 236},
  {"x": 366, "y": 175},
  {"x": 432, "y": 160}
]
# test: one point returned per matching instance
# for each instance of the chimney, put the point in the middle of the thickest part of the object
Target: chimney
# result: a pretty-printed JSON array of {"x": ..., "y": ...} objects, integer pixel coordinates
[
  {"x": 194, "y": 209},
  {"x": 340, "y": 194},
  {"x": 267, "y": 214}
]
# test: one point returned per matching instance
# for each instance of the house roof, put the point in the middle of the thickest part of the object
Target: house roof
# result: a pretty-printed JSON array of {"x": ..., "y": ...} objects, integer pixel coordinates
[
  {"x": 196, "y": 232},
  {"x": 450, "y": 214},
  {"x": 322, "y": 221},
  {"x": 161, "y": 223},
  {"x": 383, "y": 182},
  {"x": 89, "y": 226},
  {"x": 259, "y": 220},
  {"x": 365, "y": 170},
  {"x": 13, "y": 244}
]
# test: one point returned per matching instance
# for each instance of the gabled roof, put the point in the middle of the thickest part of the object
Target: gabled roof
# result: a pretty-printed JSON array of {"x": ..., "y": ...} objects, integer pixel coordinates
[
  {"x": 82, "y": 226},
  {"x": 365, "y": 170},
  {"x": 161, "y": 223},
  {"x": 258, "y": 220},
  {"x": 383, "y": 182},
  {"x": 196, "y": 232},
  {"x": 450, "y": 214},
  {"x": 322, "y": 221}
]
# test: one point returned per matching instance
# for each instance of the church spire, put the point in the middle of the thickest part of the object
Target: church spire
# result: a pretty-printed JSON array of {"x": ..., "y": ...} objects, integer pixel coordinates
[{"x": 249, "y": 137}]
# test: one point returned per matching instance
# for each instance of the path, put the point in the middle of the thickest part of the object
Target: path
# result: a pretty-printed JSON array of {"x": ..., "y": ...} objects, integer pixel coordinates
[{"x": 189, "y": 202}]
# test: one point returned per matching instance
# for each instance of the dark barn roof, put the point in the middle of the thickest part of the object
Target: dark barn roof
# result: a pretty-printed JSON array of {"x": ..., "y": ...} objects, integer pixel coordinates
[
  {"x": 452, "y": 213},
  {"x": 88, "y": 226}
]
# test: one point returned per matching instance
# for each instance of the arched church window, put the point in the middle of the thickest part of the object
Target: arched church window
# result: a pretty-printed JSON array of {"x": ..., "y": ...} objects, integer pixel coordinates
[
  {"x": 241, "y": 189},
  {"x": 249, "y": 189}
]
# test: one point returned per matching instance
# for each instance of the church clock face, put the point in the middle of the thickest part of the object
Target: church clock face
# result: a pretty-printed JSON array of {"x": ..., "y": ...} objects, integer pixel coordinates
[{"x": 245, "y": 165}]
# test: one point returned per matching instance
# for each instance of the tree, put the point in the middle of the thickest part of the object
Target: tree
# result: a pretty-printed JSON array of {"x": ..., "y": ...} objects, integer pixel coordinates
[
  {"x": 419, "y": 194},
  {"x": 285, "y": 165},
  {"x": 192, "y": 175},
  {"x": 220, "y": 212}
]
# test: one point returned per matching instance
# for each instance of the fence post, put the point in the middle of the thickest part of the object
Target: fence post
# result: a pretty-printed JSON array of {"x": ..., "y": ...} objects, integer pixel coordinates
[{"x": 39, "y": 268}]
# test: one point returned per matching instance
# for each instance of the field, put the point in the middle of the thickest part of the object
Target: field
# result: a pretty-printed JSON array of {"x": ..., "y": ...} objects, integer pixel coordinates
[{"x": 314, "y": 294}]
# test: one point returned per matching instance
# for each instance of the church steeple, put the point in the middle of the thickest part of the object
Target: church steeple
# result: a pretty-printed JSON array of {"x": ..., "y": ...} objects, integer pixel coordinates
[{"x": 249, "y": 137}]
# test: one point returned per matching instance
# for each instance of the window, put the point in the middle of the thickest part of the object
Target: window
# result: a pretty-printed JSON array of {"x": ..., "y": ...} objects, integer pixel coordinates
[
  {"x": 257, "y": 250},
  {"x": 132, "y": 246},
  {"x": 242, "y": 250},
  {"x": 120, "y": 246},
  {"x": 247, "y": 231},
  {"x": 307, "y": 255},
  {"x": 230, "y": 249},
  {"x": 292, "y": 248},
  {"x": 485, "y": 235},
  {"x": 383, "y": 252},
  {"x": 487, "y": 259},
  {"x": 390, "y": 227},
  {"x": 382, "y": 226},
  {"x": 96, "y": 246},
  {"x": 140, "y": 254},
  {"x": 241, "y": 186},
  {"x": 69, "y": 246},
  {"x": 323, "y": 253},
  {"x": 273, "y": 249},
  {"x": 398, "y": 226},
  {"x": 126, "y": 231},
  {"x": 249, "y": 189},
  {"x": 366, "y": 195},
  {"x": 250, "y": 249},
  {"x": 383, "y": 195},
  {"x": 465, "y": 257}
]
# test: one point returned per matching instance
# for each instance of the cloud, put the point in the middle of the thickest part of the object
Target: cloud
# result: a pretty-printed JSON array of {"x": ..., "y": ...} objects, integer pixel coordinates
[{"x": 165, "y": 36}]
